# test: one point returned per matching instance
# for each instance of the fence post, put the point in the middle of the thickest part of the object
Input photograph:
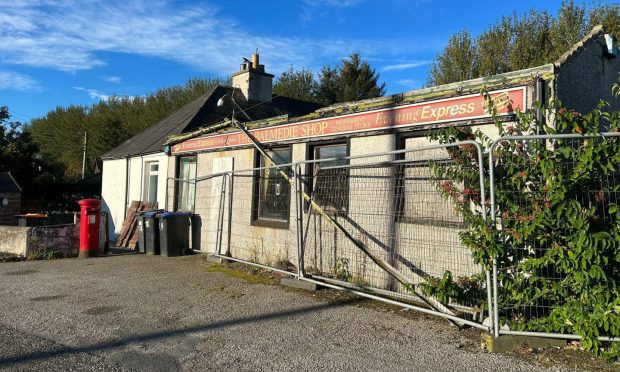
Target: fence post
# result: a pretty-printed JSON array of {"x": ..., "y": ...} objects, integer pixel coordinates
[{"x": 299, "y": 220}]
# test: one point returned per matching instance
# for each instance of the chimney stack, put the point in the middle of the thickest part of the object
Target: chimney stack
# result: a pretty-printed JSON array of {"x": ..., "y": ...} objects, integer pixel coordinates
[{"x": 253, "y": 81}]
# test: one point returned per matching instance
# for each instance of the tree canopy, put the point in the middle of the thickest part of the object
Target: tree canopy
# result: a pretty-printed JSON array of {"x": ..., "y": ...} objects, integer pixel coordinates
[
  {"x": 352, "y": 80},
  {"x": 18, "y": 153},
  {"x": 296, "y": 84},
  {"x": 59, "y": 134},
  {"x": 520, "y": 41}
]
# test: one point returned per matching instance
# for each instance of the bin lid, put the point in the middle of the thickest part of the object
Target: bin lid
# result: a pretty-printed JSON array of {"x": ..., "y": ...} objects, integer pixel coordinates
[
  {"x": 173, "y": 214},
  {"x": 150, "y": 214}
]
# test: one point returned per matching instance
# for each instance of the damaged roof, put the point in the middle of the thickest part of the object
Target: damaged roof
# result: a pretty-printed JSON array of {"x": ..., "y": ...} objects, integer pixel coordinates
[{"x": 203, "y": 112}]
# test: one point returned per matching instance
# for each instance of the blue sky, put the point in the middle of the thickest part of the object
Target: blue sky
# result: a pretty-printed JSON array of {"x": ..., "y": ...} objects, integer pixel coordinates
[{"x": 57, "y": 53}]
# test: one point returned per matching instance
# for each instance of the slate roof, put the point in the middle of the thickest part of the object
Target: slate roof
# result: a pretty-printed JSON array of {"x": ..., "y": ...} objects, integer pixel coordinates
[
  {"x": 204, "y": 111},
  {"x": 8, "y": 183}
]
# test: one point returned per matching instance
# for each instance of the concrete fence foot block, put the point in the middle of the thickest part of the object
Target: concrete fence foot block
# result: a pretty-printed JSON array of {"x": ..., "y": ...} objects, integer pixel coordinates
[
  {"x": 299, "y": 284},
  {"x": 506, "y": 343},
  {"x": 215, "y": 259}
]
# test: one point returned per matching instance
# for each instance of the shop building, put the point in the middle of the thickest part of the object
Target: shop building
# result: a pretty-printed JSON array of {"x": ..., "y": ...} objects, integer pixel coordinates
[{"x": 264, "y": 204}]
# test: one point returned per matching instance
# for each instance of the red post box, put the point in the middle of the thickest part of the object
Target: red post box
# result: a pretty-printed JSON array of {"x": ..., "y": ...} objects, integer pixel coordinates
[{"x": 89, "y": 227}]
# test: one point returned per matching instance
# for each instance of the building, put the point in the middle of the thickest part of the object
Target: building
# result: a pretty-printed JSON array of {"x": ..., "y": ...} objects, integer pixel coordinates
[
  {"x": 580, "y": 78},
  {"x": 139, "y": 168},
  {"x": 10, "y": 199}
]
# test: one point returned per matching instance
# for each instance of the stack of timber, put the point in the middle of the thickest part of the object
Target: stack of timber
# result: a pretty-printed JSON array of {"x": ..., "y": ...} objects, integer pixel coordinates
[{"x": 128, "y": 236}]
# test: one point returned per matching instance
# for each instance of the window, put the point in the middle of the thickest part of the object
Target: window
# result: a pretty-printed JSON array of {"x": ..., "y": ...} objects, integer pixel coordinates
[
  {"x": 273, "y": 190},
  {"x": 330, "y": 179},
  {"x": 151, "y": 176},
  {"x": 186, "y": 190},
  {"x": 417, "y": 198}
]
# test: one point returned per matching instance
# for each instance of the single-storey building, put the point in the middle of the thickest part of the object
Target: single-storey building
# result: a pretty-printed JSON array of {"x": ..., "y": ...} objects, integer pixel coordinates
[
  {"x": 10, "y": 199},
  {"x": 260, "y": 204},
  {"x": 138, "y": 168}
]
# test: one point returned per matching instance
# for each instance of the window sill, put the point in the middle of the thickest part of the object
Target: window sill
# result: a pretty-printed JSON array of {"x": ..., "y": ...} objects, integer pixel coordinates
[{"x": 274, "y": 224}]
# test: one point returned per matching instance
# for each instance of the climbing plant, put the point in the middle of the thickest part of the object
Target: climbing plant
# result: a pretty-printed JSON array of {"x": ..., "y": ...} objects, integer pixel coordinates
[{"x": 557, "y": 234}]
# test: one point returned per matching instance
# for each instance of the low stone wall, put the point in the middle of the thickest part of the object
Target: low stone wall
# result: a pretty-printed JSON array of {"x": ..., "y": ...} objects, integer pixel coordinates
[
  {"x": 13, "y": 239},
  {"x": 24, "y": 241},
  {"x": 60, "y": 238}
]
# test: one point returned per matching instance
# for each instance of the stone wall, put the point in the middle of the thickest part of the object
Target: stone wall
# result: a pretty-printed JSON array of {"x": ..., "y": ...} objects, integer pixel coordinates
[
  {"x": 65, "y": 239},
  {"x": 60, "y": 238}
]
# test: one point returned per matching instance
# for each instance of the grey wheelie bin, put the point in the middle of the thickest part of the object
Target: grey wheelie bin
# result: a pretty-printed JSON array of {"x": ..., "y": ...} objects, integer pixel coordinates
[
  {"x": 142, "y": 228},
  {"x": 151, "y": 232}
]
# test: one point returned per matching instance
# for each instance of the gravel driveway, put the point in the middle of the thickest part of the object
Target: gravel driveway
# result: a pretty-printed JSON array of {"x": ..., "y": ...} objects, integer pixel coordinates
[{"x": 137, "y": 312}]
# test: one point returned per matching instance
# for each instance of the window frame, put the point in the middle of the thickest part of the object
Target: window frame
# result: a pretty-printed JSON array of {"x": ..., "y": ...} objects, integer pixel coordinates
[
  {"x": 256, "y": 219},
  {"x": 310, "y": 169},
  {"x": 146, "y": 184},
  {"x": 399, "y": 185},
  {"x": 177, "y": 188}
]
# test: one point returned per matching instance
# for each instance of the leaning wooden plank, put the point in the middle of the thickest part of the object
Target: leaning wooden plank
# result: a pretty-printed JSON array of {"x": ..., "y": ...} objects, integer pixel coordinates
[
  {"x": 133, "y": 226},
  {"x": 131, "y": 223},
  {"x": 133, "y": 241},
  {"x": 122, "y": 235}
]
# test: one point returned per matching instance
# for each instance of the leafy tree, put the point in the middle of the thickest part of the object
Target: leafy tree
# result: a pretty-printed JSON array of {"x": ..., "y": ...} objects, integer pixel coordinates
[
  {"x": 557, "y": 240},
  {"x": 531, "y": 40},
  {"x": 296, "y": 84},
  {"x": 569, "y": 27},
  {"x": 457, "y": 62},
  {"x": 353, "y": 80},
  {"x": 329, "y": 89},
  {"x": 493, "y": 48},
  {"x": 359, "y": 81},
  {"x": 521, "y": 41},
  {"x": 59, "y": 134},
  {"x": 18, "y": 153},
  {"x": 607, "y": 15}
]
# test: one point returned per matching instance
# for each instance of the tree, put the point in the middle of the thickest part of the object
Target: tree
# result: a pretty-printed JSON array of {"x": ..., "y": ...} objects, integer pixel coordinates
[
  {"x": 353, "y": 80},
  {"x": 59, "y": 134},
  {"x": 296, "y": 84},
  {"x": 493, "y": 49},
  {"x": 18, "y": 153},
  {"x": 329, "y": 89},
  {"x": 457, "y": 62},
  {"x": 518, "y": 42}
]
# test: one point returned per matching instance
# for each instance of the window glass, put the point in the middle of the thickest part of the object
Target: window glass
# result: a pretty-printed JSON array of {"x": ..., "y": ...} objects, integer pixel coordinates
[
  {"x": 274, "y": 192},
  {"x": 331, "y": 181},
  {"x": 186, "y": 190},
  {"x": 151, "y": 176}
]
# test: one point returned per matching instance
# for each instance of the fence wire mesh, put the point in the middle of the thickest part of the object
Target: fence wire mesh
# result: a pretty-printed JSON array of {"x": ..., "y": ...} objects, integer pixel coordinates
[
  {"x": 390, "y": 204},
  {"x": 260, "y": 222},
  {"x": 554, "y": 207},
  {"x": 205, "y": 198}
]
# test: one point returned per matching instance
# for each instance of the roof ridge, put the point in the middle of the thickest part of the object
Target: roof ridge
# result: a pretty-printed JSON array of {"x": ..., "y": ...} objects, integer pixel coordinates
[{"x": 595, "y": 32}]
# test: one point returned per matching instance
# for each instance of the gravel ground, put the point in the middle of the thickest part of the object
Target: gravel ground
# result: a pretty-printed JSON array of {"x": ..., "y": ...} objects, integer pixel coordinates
[{"x": 152, "y": 313}]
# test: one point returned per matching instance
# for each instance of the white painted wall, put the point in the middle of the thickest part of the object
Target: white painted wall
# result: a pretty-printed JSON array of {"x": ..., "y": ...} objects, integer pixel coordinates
[{"x": 114, "y": 192}]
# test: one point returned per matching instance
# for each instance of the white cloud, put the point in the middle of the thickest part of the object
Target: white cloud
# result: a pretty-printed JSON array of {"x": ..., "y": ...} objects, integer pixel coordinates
[
  {"x": 73, "y": 35},
  {"x": 11, "y": 80},
  {"x": 409, "y": 84},
  {"x": 405, "y": 66},
  {"x": 94, "y": 94},
  {"x": 113, "y": 79}
]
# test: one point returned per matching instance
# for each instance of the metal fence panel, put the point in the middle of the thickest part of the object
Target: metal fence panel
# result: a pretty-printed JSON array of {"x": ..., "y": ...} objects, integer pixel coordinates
[
  {"x": 525, "y": 288},
  {"x": 391, "y": 204}
]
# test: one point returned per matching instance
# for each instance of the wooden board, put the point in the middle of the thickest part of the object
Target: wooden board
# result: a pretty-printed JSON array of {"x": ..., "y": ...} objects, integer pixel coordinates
[{"x": 128, "y": 236}]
